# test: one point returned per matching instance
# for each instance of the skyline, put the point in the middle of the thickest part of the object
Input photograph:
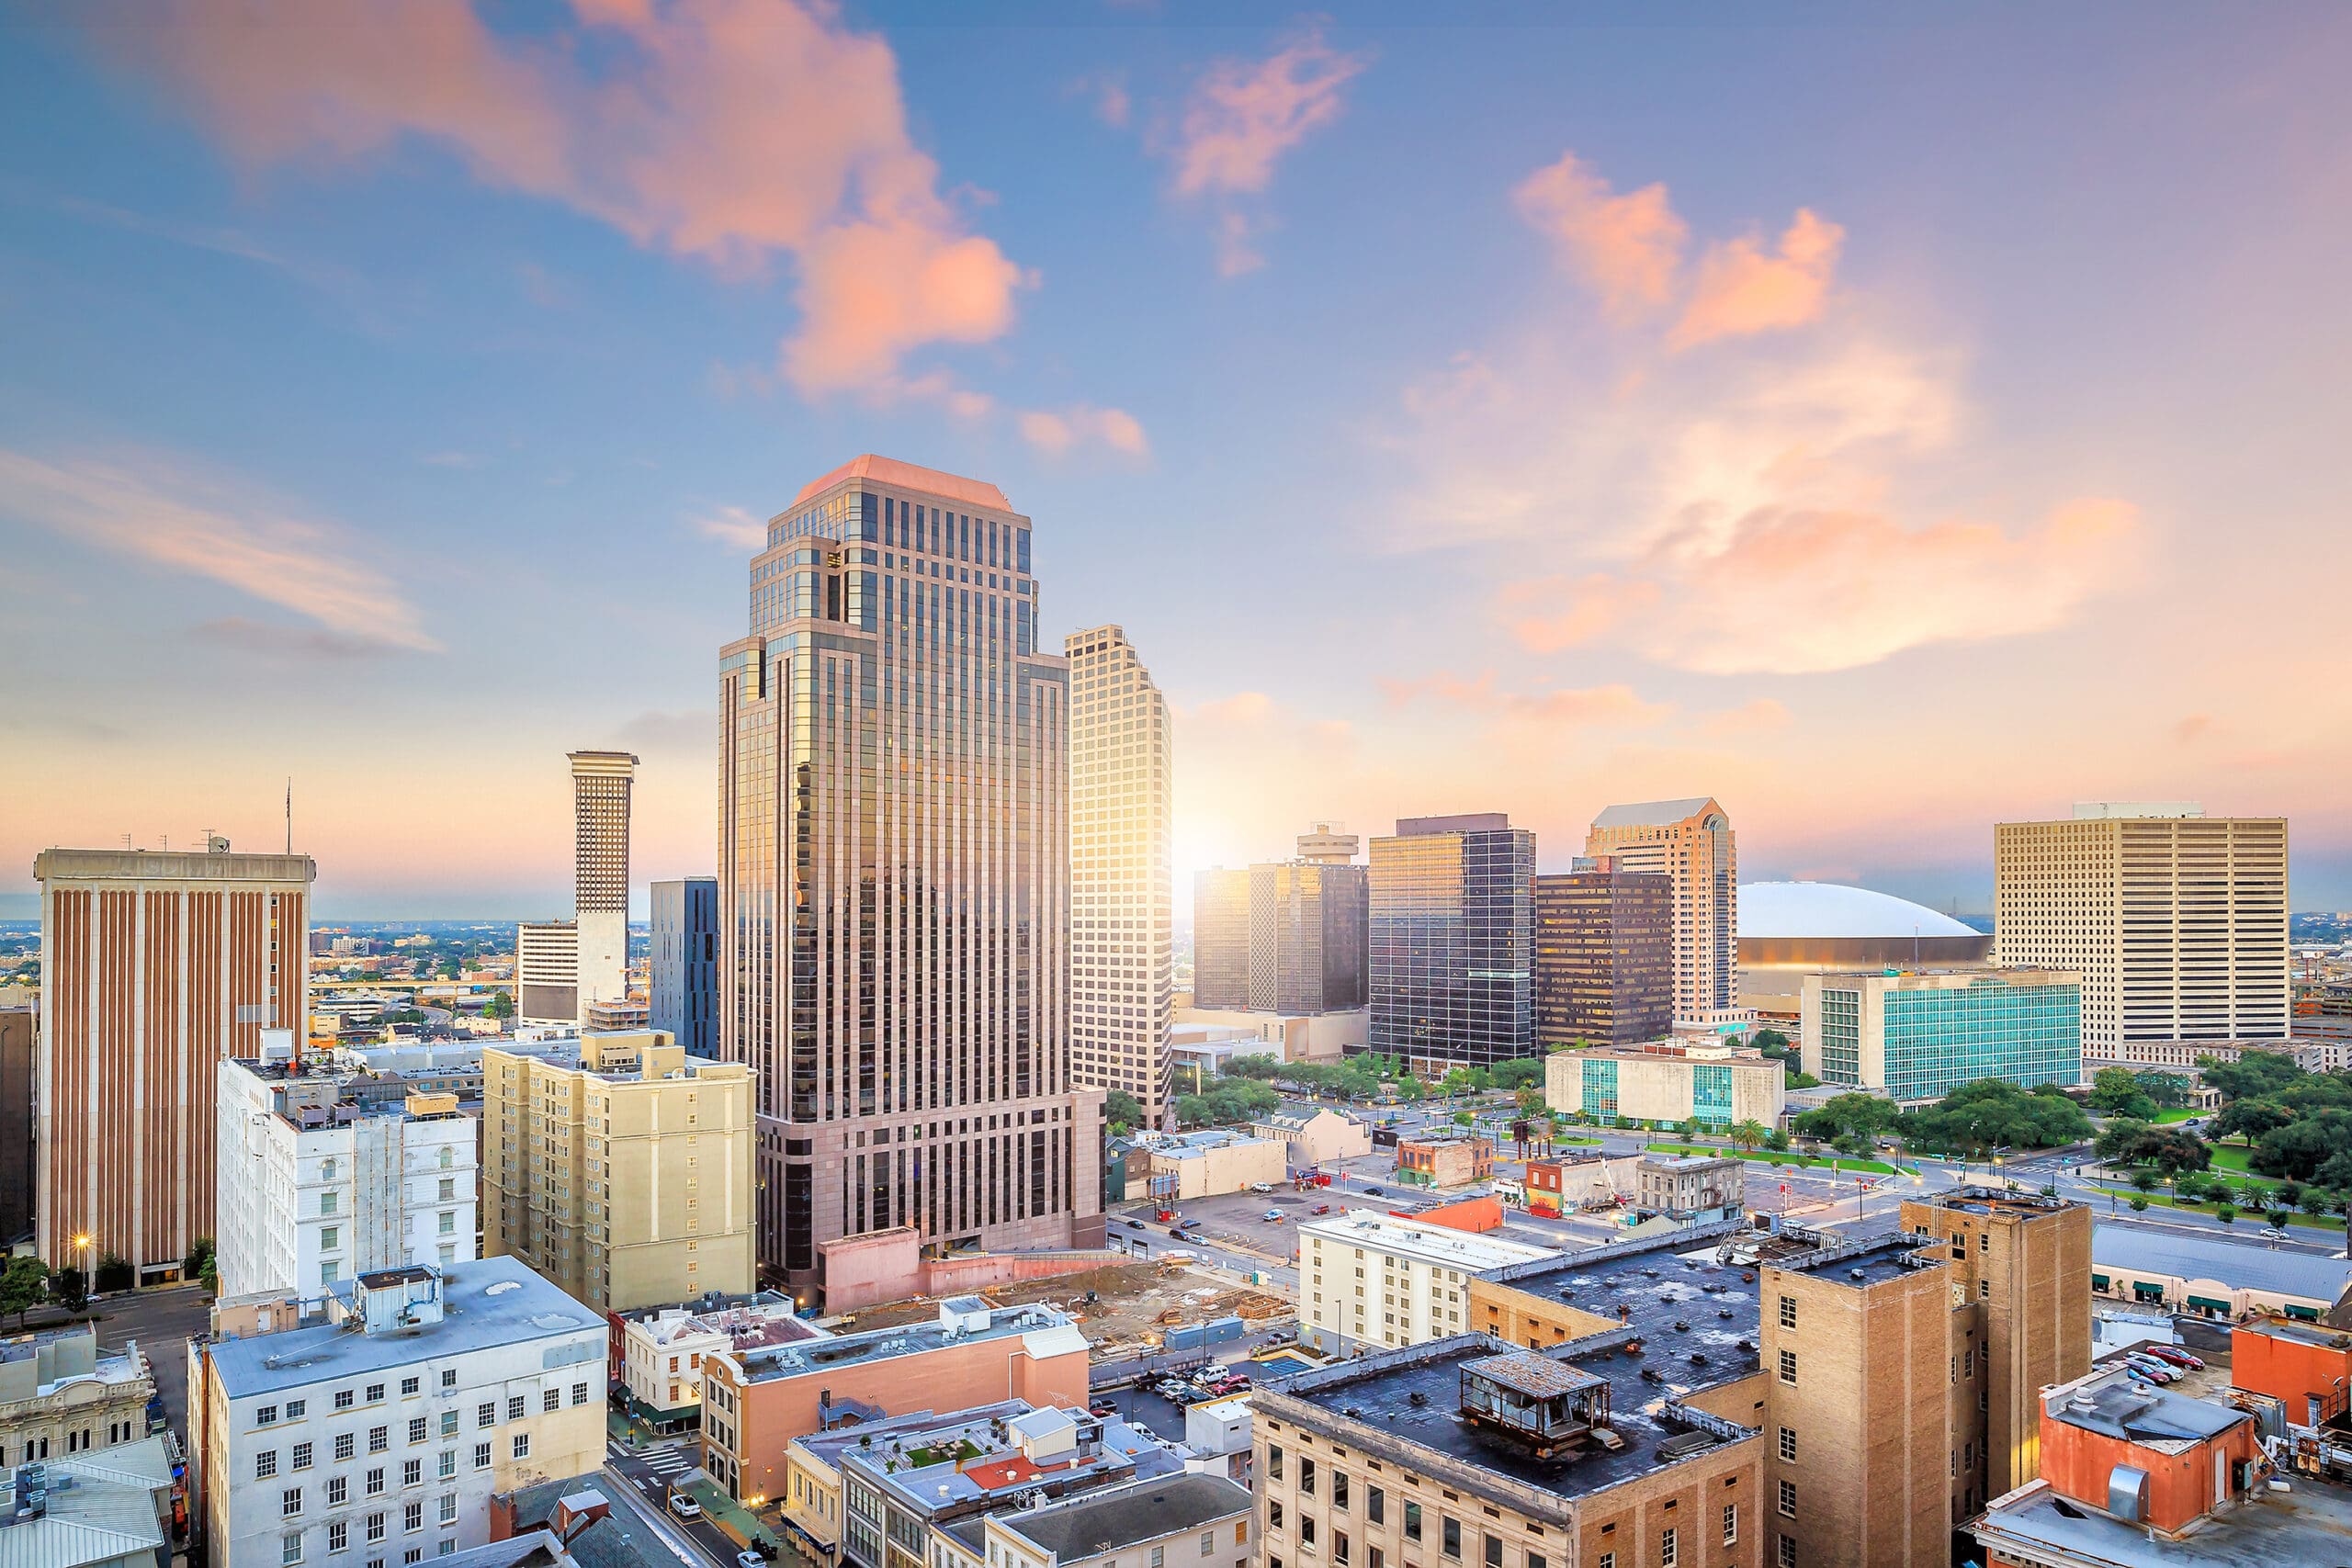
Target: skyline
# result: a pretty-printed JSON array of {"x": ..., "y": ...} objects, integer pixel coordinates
[{"x": 1502, "y": 418}]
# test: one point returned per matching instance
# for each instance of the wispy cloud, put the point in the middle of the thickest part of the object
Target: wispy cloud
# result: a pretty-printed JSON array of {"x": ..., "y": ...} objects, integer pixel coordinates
[
  {"x": 656, "y": 729},
  {"x": 1056, "y": 432},
  {"x": 171, "y": 516},
  {"x": 1742, "y": 288},
  {"x": 268, "y": 640},
  {"x": 729, "y": 130},
  {"x": 1626, "y": 248},
  {"x": 732, "y": 526},
  {"x": 1614, "y": 705}
]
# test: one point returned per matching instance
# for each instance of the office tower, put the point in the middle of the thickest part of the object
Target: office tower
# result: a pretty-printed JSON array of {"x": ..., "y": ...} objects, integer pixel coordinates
[
  {"x": 1915, "y": 1035},
  {"x": 547, "y": 972},
  {"x": 1604, "y": 955},
  {"x": 894, "y": 877},
  {"x": 1453, "y": 936},
  {"x": 600, "y": 794},
  {"x": 380, "y": 1426},
  {"x": 621, "y": 1170},
  {"x": 684, "y": 968},
  {"x": 317, "y": 1182},
  {"x": 1307, "y": 928},
  {"x": 1690, "y": 841},
  {"x": 2176, "y": 921},
  {"x": 1121, "y": 938},
  {"x": 1221, "y": 937},
  {"x": 18, "y": 1174},
  {"x": 155, "y": 965}
]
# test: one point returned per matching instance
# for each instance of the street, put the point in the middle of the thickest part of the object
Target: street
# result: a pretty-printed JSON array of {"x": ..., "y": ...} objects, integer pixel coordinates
[
  {"x": 162, "y": 1320},
  {"x": 649, "y": 1471}
]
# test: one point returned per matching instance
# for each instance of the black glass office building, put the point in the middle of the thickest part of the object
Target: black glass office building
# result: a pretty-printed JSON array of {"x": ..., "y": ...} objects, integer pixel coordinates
[
  {"x": 684, "y": 967},
  {"x": 1452, "y": 924}
]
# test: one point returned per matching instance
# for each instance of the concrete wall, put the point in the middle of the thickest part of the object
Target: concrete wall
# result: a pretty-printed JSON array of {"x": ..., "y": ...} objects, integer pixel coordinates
[
  {"x": 887, "y": 1266},
  {"x": 1466, "y": 1214}
]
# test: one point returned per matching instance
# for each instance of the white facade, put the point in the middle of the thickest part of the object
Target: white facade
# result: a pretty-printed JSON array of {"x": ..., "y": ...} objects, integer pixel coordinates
[
  {"x": 547, "y": 972},
  {"x": 311, "y": 1189},
  {"x": 1375, "y": 1281},
  {"x": 1121, "y": 966},
  {"x": 330, "y": 1445}
]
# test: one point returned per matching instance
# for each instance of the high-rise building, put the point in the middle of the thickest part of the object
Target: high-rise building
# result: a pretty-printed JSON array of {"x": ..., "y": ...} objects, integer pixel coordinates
[
  {"x": 600, "y": 799},
  {"x": 1121, "y": 938},
  {"x": 19, "y": 1173},
  {"x": 1691, "y": 842},
  {"x": 622, "y": 1170},
  {"x": 1308, "y": 927},
  {"x": 547, "y": 973},
  {"x": 1453, "y": 937},
  {"x": 894, "y": 876},
  {"x": 157, "y": 964},
  {"x": 317, "y": 1184},
  {"x": 1221, "y": 937},
  {"x": 1604, "y": 955},
  {"x": 2176, "y": 921},
  {"x": 683, "y": 996},
  {"x": 1915, "y": 1035}
]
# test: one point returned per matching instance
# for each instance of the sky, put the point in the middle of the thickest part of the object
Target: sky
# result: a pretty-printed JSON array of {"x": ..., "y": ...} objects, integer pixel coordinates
[{"x": 1886, "y": 420}]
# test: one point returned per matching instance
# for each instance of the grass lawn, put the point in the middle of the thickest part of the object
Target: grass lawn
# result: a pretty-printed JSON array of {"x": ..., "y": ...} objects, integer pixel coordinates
[
  {"x": 2178, "y": 1113},
  {"x": 2205, "y": 1206},
  {"x": 1766, "y": 1156}
]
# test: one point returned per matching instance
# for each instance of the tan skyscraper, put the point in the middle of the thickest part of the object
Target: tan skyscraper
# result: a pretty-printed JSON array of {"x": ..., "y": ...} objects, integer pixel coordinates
[
  {"x": 622, "y": 1172},
  {"x": 157, "y": 964},
  {"x": 1691, "y": 841},
  {"x": 2176, "y": 921},
  {"x": 600, "y": 800},
  {"x": 1221, "y": 937},
  {"x": 1120, "y": 806},
  {"x": 894, "y": 876}
]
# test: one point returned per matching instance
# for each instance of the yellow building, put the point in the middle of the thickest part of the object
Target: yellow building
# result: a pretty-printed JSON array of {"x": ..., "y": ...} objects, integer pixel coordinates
[{"x": 622, "y": 1171}]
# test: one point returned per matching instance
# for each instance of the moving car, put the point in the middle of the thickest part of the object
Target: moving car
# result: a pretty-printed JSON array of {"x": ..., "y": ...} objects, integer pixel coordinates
[
  {"x": 1374, "y": 1192},
  {"x": 1192, "y": 1225},
  {"x": 1134, "y": 1224},
  {"x": 2272, "y": 1233},
  {"x": 1176, "y": 1230}
]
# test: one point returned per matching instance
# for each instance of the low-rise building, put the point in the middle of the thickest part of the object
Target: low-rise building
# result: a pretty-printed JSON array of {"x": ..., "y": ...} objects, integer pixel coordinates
[
  {"x": 1451, "y": 1160},
  {"x": 61, "y": 1396},
  {"x": 2307, "y": 1366},
  {"x": 2218, "y": 1278},
  {"x": 1915, "y": 1035},
  {"x": 1667, "y": 1082},
  {"x": 1565, "y": 1185},
  {"x": 325, "y": 1174},
  {"x": 1320, "y": 1137},
  {"x": 1212, "y": 1161},
  {"x": 755, "y": 1402},
  {"x": 1368, "y": 1279},
  {"x": 2139, "y": 1477},
  {"x": 663, "y": 1351},
  {"x": 1692, "y": 1187},
  {"x": 1192, "y": 1519},
  {"x": 386, "y": 1424},
  {"x": 91, "y": 1510},
  {"x": 590, "y": 1521}
]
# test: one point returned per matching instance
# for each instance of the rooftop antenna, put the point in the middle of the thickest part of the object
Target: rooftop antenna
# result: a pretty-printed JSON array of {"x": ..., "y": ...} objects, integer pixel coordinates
[{"x": 289, "y": 814}]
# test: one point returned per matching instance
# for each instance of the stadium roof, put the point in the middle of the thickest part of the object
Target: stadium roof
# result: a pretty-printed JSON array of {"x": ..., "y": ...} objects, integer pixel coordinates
[{"x": 1833, "y": 909}]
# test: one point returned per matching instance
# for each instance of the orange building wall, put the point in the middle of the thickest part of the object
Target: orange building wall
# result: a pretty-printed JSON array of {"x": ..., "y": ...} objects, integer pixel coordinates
[
  {"x": 954, "y": 1377},
  {"x": 1469, "y": 1214},
  {"x": 2291, "y": 1370},
  {"x": 2180, "y": 1486}
]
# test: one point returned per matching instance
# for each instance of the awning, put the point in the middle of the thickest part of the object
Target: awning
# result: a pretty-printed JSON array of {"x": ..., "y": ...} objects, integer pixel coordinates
[
  {"x": 2099, "y": 1282},
  {"x": 2308, "y": 1314},
  {"x": 2207, "y": 1303},
  {"x": 2141, "y": 1288},
  {"x": 826, "y": 1548}
]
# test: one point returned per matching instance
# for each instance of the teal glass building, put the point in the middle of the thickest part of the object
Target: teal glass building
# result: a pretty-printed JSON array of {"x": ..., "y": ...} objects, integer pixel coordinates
[{"x": 1916, "y": 1036}]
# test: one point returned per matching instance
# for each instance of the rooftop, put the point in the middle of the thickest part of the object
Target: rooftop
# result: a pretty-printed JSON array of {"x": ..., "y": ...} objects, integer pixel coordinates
[
  {"x": 1869, "y": 1262},
  {"x": 994, "y": 1453},
  {"x": 748, "y": 1323},
  {"x": 617, "y": 1540},
  {"x": 494, "y": 1301},
  {"x": 1834, "y": 910},
  {"x": 1435, "y": 1244},
  {"x": 1049, "y": 1333},
  {"x": 2301, "y": 1333},
  {"x": 1981, "y": 1199},
  {"x": 2111, "y": 1405},
  {"x": 1652, "y": 813},
  {"x": 1198, "y": 1145},
  {"x": 99, "y": 1508},
  {"x": 2311, "y": 1524},
  {"x": 2231, "y": 1264},
  {"x": 1128, "y": 1515},
  {"x": 1467, "y": 822},
  {"x": 908, "y": 476}
]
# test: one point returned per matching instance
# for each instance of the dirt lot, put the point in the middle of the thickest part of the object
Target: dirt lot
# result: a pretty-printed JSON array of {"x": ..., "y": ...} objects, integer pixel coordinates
[{"x": 1123, "y": 1319}]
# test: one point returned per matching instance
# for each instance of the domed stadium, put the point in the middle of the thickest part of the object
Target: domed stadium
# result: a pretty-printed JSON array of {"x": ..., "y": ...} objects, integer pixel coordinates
[{"x": 1790, "y": 929}]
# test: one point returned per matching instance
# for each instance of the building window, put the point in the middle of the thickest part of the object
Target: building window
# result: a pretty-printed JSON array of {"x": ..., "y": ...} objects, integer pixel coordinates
[
  {"x": 375, "y": 1481},
  {"x": 1731, "y": 1524},
  {"x": 448, "y": 1377},
  {"x": 412, "y": 1472},
  {"x": 513, "y": 1407},
  {"x": 410, "y": 1385},
  {"x": 1375, "y": 1504},
  {"x": 302, "y": 1456},
  {"x": 1494, "y": 1551},
  {"x": 1668, "y": 1552},
  {"x": 1788, "y": 1445},
  {"x": 265, "y": 1464},
  {"x": 1450, "y": 1536},
  {"x": 1306, "y": 1534},
  {"x": 378, "y": 1439},
  {"x": 375, "y": 1527},
  {"x": 265, "y": 1415},
  {"x": 1788, "y": 1365},
  {"x": 1339, "y": 1489},
  {"x": 345, "y": 1443},
  {"x": 412, "y": 1517},
  {"x": 1208, "y": 1543},
  {"x": 1785, "y": 1553},
  {"x": 447, "y": 1464},
  {"x": 449, "y": 1422},
  {"x": 580, "y": 1393},
  {"x": 419, "y": 1429},
  {"x": 1273, "y": 1516},
  {"x": 522, "y": 1445},
  {"x": 552, "y": 1400},
  {"x": 338, "y": 1491},
  {"x": 1412, "y": 1521},
  {"x": 290, "y": 1548},
  {"x": 1788, "y": 1312},
  {"x": 486, "y": 1414},
  {"x": 448, "y": 1507},
  {"x": 338, "y": 1536},
  {"x": 1305, "y": 1477},
  {"x": 290, "y": 1502},
  {"x": 482, "y": 1456},
  {"x": 1788, "y": 1499}
]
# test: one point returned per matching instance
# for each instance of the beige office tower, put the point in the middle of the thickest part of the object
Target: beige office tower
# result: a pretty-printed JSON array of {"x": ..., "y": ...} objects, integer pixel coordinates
[
  {"x": 157, "y": 964},
  {"x": 2178, "y": 922},
  {"x": 621, "y": 1170},
  {"x": 1691, "y": 841},
  {"x": 1221, "y": 937},
  {"x": 894, "y": 879},
  {"x": 1120, "y": 806},
  {"x": 600, "y": 798},
  {"x": 547, "y": 972}
]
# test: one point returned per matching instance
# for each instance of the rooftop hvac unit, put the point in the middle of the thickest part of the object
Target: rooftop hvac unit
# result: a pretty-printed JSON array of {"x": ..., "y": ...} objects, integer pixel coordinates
[{"x": 2127, "y": 1494}]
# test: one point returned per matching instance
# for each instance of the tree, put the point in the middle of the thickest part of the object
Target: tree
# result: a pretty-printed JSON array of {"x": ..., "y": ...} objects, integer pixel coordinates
[
  {"x": 1993, "y": 1113},
  {"x": 2138, "y": 1205},
  {"x": 2225, "y": 1212},
  {"x": 2307, "y": 1147},
  {"x": 115, "y": 1272},
  {"x": 2146, "y": 1180},
  {"x": 1804, "y": 1080},
  {"x": 200, "y": 1264},
  {"x": 1253, "y": 1067},
  {"x": 1864, "y": 1113},
  {"x": 2168, "y": 1090},
  {"x": 1777, "y": 1142},
  {"x": 1521, "y": 1072},
  {"x": 500, "y": 1006},
  {"x": 1771, "y": 1041},
  {"x": 71, "y": 1289},
  {"x": 2169, "y": 1149},
  {"x": 2279, "y": 1215},
  {"x": 2250, "y": 1119},
  {"x": 1748, "y": 1135},
  {"x": 2254, "y": 1075},
  {"x": 23, "y": 1287},
  {"x": 1122, "y": 1110},
  {"x": 2117, "y": 1092}
]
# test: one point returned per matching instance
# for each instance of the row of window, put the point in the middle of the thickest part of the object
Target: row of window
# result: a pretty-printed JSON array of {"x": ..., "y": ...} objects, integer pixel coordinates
[{"x": 303, "y": 1455}]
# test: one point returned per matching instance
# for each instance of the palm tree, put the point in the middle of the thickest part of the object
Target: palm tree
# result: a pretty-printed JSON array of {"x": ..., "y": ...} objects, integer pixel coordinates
[{"x": 1747, "y": 1136}]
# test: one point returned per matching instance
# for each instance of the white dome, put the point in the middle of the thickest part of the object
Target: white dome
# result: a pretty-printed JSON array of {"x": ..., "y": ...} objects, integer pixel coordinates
[{"x": 1798, "y": 910}]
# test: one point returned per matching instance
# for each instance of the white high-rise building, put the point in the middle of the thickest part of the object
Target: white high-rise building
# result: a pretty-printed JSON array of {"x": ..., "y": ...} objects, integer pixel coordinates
[
  {"x": 564, "y": 968},
  {"x": 322, "y": 1176},
  {"x": 2176, "y": 921},
  {"x": 1121, "y": 960}
]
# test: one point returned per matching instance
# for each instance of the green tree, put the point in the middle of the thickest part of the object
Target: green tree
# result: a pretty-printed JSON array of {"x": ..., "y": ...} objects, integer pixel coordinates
[
  {"x": 1748, "y": 1135},
  {"x": 115, "y": 1272},
  {"x": 2253, "y": 1075},
  {"x": 1866, "y": 1114},
  {"x": 23, "y": 1287},
  {"x": 2117, "y": 1092},
  {"x": 2226, "y": 1212},
  {"x": 200, "y": 1264},
  {"x": 2251, "y": 1119},
  {"x": 69, "y": 1288},
  {"x": 2279, "y": 1215},
  {"x": 1521, "y": 1072},
  {"x": 1122, "y": 1110},
  {"x": 2168, "y": 1090},
  {"x": 500, "y": 1006},
  {"x": 1464, "y": 1119},
  {"x": 1993, "y": 1113},
  {"x": 1769, "y": 1041},
  {"x": 2146, "y": 1180},
  {"x": 2306, "y": 1147},
  {"x": 2138, "y": 1205},
  {"x": 1777, "y": 1141}
]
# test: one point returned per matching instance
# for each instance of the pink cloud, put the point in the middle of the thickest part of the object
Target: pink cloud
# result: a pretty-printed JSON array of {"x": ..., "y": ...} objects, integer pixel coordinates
[
  {"x": 1744, "y": 288},
  {"x": 1626, "y": 248},
  {"x": 1761, "y": 717},
  {"x": 1244, "y": 115},
  {"x": 1611, "y": 705},
  {"x": 1057, "y": 432},
  {"x": 734, "y": 526},
  {"x": 727, "y": 130},
  {"x": 1554, "y": 613}
]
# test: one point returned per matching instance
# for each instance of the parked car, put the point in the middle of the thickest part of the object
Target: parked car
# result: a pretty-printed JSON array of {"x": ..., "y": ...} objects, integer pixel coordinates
[
  {"x": 1261, "y": 1187},
  {"x": 2176, "y": 1355},
  {"x": 1134, "y": 1224},
  {"x": 1321, "y": 1209},
  {"x": 1176, "y": 1230},
  {"x": 1102, "y": 1407},
  {"x": 749, "y": 1560},
  {"x": 1192, "y": 1225},
  {"x": 2154, "y": 1369},
  {"x": 1271, "y": 1217},
  {"x": 686, "y": 1507}
]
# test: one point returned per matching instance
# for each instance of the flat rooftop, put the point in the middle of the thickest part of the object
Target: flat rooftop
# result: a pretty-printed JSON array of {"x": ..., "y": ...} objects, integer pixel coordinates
[
  {"x": 1871, "y": 1263},
  {"x": 1128, "y": 1516},
  {"x": 2300, "y": 1333},
  {"x": 1432, "y": 1244},
  {"x": 1055, "y": 1335},
  {"x": 975, "y": 1456},
  {"x": 1994, "y": 1200},
  {"x": 2310, "y": 1525}
]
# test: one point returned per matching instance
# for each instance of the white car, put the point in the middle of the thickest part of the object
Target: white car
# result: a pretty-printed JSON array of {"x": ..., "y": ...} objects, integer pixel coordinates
[
  {"x": 1261, "y": 1187},
  {"x": 686, "y": 1507}
]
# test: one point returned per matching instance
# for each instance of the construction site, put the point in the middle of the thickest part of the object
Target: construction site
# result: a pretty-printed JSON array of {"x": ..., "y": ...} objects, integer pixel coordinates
[{"x": 1127, "y": 1311}]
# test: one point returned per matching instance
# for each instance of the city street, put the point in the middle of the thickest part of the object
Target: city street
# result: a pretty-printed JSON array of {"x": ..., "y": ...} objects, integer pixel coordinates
[
  {"x": 162, "y": 1320},
  {"x": 649, "y": 1471}
]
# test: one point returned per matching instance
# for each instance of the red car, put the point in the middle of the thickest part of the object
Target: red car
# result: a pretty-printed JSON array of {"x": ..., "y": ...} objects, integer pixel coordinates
[{"x": 1321, "y": 1209}]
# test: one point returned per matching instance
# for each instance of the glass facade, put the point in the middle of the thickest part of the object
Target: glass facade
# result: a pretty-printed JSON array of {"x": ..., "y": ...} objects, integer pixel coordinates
[
  {"x": 684, "y": 966},
  {"x": 1710, "y": 1093},
  {"x": 1307, "y": 936},
  {"x": 1604, "y": 957},
  {"x": 1599, "y": 1087},
  {"x": 1841, "y": 1038},
  {"x": 1941, "y": 1037},
  {"x": 1221, "y": 939},
  {"x": 894, "y": 876},
  {"x": 1451, "y": 940}
]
